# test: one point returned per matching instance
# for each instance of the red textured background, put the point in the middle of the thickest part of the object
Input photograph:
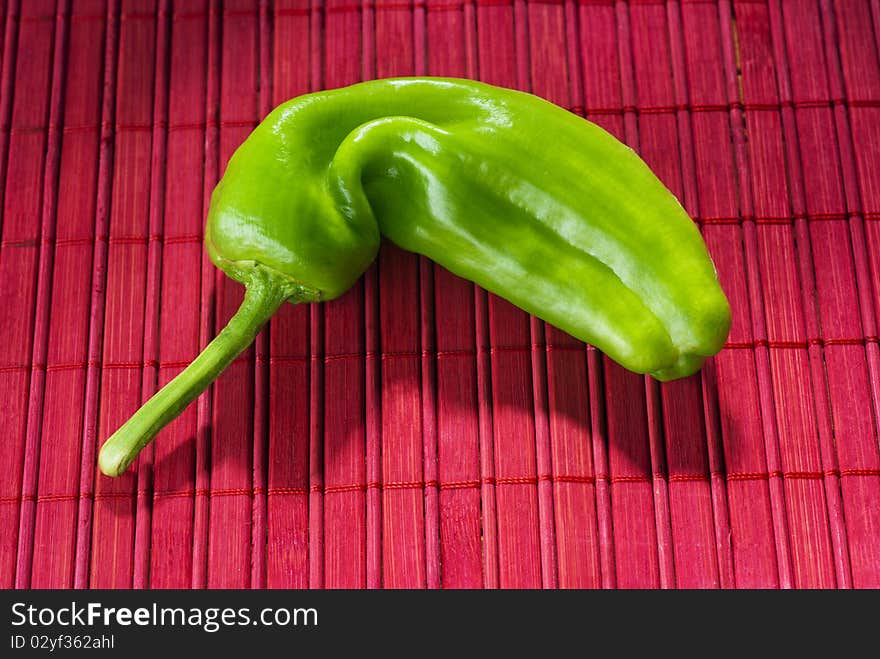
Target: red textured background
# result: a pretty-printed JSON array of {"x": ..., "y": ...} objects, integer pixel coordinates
[{"x": 418, "y": 432}]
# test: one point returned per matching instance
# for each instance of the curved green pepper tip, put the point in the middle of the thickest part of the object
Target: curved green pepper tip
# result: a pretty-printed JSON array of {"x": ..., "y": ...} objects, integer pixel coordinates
[{"x": 503, "y": 188}]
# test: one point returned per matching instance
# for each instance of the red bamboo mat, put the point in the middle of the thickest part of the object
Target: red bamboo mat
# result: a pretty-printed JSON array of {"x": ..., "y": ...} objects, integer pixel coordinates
[{"x": 419, "y": 432}]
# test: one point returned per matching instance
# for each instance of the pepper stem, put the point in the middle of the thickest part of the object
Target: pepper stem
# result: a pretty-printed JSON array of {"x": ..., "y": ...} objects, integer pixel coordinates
[{"x": 264, "y": 294}]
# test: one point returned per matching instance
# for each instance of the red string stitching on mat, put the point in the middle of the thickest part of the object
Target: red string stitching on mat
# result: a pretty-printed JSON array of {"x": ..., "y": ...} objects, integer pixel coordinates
[
  {"x": 180, "y": 363},
  {"x": 297, "y": 359},
  {"x": 49, "y": 498},
  {"x": 141, "y": 15},
  {"x": 850, "y": 342},
  {"x": 786, "y": 220},
  {"x": 456, "y": 353},
  {"x": 122, "y": 365},
  {"x": 197, "y": 239},
  {"x": 799, "y": 345},
  {"x": 136, "y": 128},
  {"x": 11, "y": 368},
  {"x": 130, "y": 128},
  {"x": 699, "y": 108},
  {"x": 626, "y": 479},
  {"x": 232, "y": 492},
  {"x": 285, "y": 359},
  {"x": 303, "y": 11},
  {"x": 402, "y": 485},
  {"x": 175, "y": 240},
  {"x": 576, "y": 109},
  {"x": 803, "y": 475},
  {"x": 513, "y": 480},
  {"x": 173, "y": 494},
  {"x": 751, "y": 476},
  {"x": 133, "y": 240},
  {"x": 334, "y": 489},
  {"x": 74, "y": 242},
  {"x": 70, "y": 367},
  {"x": 684, "y": 478},
  {"x": 460, "y": 485},
  {"x": 27, "y": 242},
  {"x": 353, "y": 7},
  {"x": 36, "y": 18},
  {"x": 451, "y": 485},
  {"x": 301, "y": 491},
  {"x": 112, "y": 240},
  {"x": 445, "y": 6},
  {"x": 586, "y": 480},
  {"x": 150, "y": 363},
  {"x": 84, "y": 18}
]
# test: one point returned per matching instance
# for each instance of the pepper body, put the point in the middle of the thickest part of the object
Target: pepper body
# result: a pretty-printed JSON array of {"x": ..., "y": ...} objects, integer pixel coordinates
[{"x": 527, "y": 200}]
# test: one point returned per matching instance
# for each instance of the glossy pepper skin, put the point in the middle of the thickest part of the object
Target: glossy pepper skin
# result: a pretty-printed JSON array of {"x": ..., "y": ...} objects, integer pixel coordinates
[{"x": 527, "y": 200}]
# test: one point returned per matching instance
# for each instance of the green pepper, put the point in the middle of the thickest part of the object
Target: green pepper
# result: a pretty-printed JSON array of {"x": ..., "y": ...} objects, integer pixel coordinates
[{"x": 526, "y": 199}]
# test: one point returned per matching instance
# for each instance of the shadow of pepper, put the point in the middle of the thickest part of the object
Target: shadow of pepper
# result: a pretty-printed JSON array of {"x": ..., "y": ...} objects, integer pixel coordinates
[{"x": 595, "y": 435}]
